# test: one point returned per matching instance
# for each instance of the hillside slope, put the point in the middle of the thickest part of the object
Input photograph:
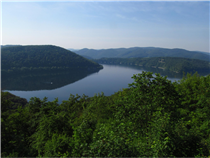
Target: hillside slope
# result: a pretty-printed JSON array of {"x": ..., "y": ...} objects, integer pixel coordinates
[{"x": 42, "y": 56}]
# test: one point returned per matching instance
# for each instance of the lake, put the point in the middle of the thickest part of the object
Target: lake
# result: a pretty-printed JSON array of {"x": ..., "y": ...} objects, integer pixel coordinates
[{"x": 109, "y": 80}]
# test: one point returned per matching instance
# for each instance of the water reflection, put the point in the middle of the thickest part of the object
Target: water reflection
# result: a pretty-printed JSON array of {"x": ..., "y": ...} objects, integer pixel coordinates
[
  {"x": 42, "y": 80},
  {"x": 60, "y": 84}
]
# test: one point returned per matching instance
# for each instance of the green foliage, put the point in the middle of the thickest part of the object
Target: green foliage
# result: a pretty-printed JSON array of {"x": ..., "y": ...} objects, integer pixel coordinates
[
  {"x": 194, "y": 126},
  {"x": 153, "y": 117},
  {"x": 139, "y": 110},
  {"x": 57, "y": 146}
]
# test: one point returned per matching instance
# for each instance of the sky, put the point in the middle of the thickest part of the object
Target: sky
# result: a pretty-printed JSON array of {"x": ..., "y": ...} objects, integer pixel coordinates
[{"x": 106, "y": 24}]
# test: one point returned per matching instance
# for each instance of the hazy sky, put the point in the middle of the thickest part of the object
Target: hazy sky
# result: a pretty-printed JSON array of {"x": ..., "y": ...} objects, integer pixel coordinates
[{"x": 100, "y": 25}]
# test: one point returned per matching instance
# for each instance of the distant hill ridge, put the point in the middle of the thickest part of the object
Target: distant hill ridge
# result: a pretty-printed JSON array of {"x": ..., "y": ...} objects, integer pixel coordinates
[
  {"x": 3, "y": 46},
  {"x": 43, "y": 56},
  {"x": 143, "y": 52}
]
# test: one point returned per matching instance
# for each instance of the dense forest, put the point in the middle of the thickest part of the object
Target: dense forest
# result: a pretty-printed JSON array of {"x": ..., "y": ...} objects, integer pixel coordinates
[
  {"x": 174, "y": 64},
  {"x": 153, "y": 117},
  {"x": 42, "y": 57},
  {"x": 143, "y": 52}
]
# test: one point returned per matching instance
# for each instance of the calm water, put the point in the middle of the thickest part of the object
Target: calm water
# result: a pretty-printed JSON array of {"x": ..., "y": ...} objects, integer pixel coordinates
[{"x": 109, "y": 80}]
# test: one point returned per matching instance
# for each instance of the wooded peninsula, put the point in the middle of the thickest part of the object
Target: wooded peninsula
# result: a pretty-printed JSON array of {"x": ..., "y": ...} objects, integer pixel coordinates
[{"x": 175, "y": 64}]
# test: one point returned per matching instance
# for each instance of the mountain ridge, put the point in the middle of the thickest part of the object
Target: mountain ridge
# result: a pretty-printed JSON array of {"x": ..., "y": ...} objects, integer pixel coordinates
[{"x": 143, "y": 52}]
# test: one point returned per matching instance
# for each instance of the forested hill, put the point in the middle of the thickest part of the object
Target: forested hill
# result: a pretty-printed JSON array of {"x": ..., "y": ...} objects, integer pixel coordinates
[
  {"x": 142, "y": 52},
  {"x": 42, "y": 56},
  {"x": 167, "y": 63}
]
